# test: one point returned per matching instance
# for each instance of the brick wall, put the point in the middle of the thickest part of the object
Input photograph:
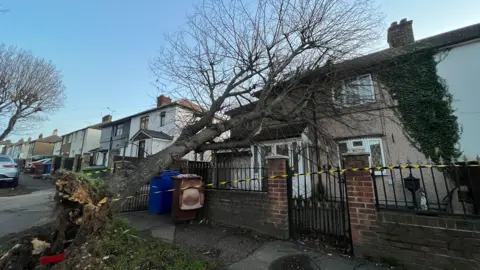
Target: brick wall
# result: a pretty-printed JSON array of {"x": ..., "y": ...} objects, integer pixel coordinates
[
  {"x": 265, "y": 212},
  {"x": 407, "y": 239}
]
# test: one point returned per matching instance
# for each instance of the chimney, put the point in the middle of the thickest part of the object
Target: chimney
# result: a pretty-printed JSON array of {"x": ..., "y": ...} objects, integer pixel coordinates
[
  {"x": 107, "y": 118},
  {"x": 400, "y": 34},
  {"x": 29, "y": 139},
  {"x": 163, "y": 100},
  {"x": 40, "y": 136},
  {"x": 55, "y": 132}
]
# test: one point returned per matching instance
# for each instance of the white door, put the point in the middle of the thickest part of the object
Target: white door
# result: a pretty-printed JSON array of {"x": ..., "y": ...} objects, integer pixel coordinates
[{"x": 299, "y": 162}]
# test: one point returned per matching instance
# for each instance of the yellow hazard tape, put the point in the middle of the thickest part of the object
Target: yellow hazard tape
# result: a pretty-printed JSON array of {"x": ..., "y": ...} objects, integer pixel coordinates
[{"x": 378, "y": 168}]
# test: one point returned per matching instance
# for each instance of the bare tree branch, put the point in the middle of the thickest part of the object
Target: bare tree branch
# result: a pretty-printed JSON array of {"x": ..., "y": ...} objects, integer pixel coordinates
[
  {"x": 230, "y": 49},
  {"x": 29, "y": 87}
]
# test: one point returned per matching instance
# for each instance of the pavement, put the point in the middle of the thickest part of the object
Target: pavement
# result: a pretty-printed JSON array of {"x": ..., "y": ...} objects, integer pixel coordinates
[
  {"x": 31, "y": 204},
  {"x": 238, "y": 249}
]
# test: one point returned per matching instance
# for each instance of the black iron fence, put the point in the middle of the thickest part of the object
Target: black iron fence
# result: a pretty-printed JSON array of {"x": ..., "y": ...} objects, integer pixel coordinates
[
  {"x": 318, "y": 206},
  {"x": 200, "y": 168},
  {"x": 138, "y": 202},
  {"x": 237, "y": 178},
  {"x": 431, "y": 189}
]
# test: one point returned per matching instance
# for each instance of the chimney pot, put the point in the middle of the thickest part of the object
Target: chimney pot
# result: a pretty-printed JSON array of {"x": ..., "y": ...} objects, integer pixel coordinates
[
  {"x": 107, "y": 118},
  {"x": 40, "y": 136},
  {"x": 400, "y": 34},
  {"x": 55, "y": 132},
  {"x": 163, "y": 100}
]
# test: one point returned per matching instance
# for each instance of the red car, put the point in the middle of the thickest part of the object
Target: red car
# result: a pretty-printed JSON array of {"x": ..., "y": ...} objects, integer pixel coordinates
[{"x": 41, "y": 162}]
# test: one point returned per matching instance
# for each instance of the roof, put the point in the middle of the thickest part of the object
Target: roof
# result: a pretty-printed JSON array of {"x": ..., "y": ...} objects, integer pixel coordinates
[
  {"x": 95, "y": 126},
  {"x": 49, "y": 139},
  {"x": 8, "y": 142},
  {"x": 442, "y": 40},
  {"x": 20, "y": 142},
  {"x": 183, "y": 103},
  {"x": 370, "y": 61},
  {"x": 152, "y": 134},
  {"x": 275, "y": 132}
]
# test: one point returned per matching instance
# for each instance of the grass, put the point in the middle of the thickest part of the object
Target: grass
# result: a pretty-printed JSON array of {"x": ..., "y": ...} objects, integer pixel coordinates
[{"x": 132, "y": 251}]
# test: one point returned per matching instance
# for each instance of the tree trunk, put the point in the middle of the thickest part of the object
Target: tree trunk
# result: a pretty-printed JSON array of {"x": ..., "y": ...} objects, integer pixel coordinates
[{"x": 135, "y": 177}]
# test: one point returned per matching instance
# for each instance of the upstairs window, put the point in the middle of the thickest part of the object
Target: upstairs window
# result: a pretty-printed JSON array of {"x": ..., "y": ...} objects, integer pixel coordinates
[
  {"x": 119, "y": 130},
  {"x": 144, "y": 122},
  {"x": 355, "y": 91},
  {"x": 162, "y": 119}
]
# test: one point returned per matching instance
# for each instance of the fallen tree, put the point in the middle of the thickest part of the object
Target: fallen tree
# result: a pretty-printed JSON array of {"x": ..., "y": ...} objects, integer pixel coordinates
[
  {"x": 262, "y": 54},
  {"x": 81, "y": 210},
  {"x": 231, "y": 53}
]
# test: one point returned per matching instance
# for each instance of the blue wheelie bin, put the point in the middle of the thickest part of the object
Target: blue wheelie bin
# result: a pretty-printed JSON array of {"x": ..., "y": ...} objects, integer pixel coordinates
[{"x": 160, "y": 201}]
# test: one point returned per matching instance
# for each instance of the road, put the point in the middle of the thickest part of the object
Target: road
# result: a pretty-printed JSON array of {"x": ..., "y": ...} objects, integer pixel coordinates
[{"x": 30, "y": 204}]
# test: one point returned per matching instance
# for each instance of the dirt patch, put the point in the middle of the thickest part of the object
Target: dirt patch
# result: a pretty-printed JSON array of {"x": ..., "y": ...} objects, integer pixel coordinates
[
  {"x": 222, "y": 244},
  {"x": 292, "y": 262}
]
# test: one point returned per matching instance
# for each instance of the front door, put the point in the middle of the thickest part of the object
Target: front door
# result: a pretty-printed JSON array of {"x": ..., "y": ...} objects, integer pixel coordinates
[{"x": 141, "y": 149}]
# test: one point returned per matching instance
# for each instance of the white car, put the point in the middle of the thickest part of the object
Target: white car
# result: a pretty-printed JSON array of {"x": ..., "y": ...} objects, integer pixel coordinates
[{"x": 9, "y": 171}]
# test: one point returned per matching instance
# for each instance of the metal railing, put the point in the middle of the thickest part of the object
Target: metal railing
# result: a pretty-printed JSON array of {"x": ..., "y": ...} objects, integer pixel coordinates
[
  {"x": 431, "y": 189},
  {"x": 237, "y": 178},
  {"x": 138, "y": 202}
]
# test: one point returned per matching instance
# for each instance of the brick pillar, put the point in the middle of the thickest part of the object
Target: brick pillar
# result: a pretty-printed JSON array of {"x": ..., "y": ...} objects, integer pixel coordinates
[
  {"x": 277, "y": 195},
  {"x": 75, "y": 162},
  {"x": 62, "y": 162},
  {"x": 85, "y": 161},
  {"x": 361, "y": 196}
]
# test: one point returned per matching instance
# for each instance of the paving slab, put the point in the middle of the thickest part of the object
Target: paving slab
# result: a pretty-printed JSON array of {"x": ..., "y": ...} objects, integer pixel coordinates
[
  {"x": 144, "y": 220},
  {"x": 238, "y": 249}
]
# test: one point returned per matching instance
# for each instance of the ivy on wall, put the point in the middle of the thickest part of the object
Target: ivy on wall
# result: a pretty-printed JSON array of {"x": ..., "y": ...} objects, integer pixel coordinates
[{"x": 424, "y": 104}]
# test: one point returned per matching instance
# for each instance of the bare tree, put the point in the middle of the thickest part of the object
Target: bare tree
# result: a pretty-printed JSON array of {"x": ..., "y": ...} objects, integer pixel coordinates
[
  {"x": 30, "y": 89},
  {"x": 230, "y": 50}
]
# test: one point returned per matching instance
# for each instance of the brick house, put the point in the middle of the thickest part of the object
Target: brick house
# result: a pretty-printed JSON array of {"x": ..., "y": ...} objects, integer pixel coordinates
[
  {"x": 43, "y": 146},
  {"x": 147, "y": 132},
  {"x": 366, "y": 121},
  {"x": 81, "y": 141}
]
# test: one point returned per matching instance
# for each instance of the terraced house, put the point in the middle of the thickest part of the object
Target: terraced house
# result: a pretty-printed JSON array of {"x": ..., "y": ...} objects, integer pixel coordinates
[
  {"x": 147, "y": 132},
  {"x": 367, "y": 119}
]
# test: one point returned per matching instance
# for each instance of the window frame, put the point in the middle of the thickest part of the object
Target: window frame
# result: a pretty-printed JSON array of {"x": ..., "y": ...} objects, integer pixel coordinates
[
  {"x": 144, "y": 121},
  {"x": 366, "y": 146},
  {"x": 163, "y": 117},
  {"x": 341, "y": 99},
  {"x": 117, "y": 129}
]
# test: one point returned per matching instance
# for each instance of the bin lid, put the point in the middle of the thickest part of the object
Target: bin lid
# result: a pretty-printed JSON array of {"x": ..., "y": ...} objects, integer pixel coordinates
[{"x": 187, "y": 176}]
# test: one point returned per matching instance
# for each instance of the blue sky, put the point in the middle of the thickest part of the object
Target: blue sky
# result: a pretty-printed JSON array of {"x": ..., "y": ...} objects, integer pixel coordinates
[{"x": 103, "y": 47}]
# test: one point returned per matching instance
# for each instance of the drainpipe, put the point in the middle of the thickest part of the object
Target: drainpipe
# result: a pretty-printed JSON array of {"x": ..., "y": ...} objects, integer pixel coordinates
[{"x": 83, "y": 142}]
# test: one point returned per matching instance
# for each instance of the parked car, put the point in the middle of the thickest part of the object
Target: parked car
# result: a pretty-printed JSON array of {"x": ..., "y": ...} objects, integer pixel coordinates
[
  {"x": 8, "y": 170},
  {"x": 31, "y": 159},
  {"x": 41, "y": 162}
]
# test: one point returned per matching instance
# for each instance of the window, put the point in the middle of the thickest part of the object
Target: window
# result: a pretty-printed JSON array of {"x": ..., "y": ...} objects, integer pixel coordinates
[
  {"x": 144, "y": 122},
  {"x": 75, "y": 136},
  {"x": 282, "y": 149},
  {"x": 162, "y": 119},
  {"x": 355, "y": 91},
  {"x": 199, "y": 156},
  {"x": 119, "y": 130},
  {"x": 370, "y": 145},
  {"x": 69, "y": 138}
]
